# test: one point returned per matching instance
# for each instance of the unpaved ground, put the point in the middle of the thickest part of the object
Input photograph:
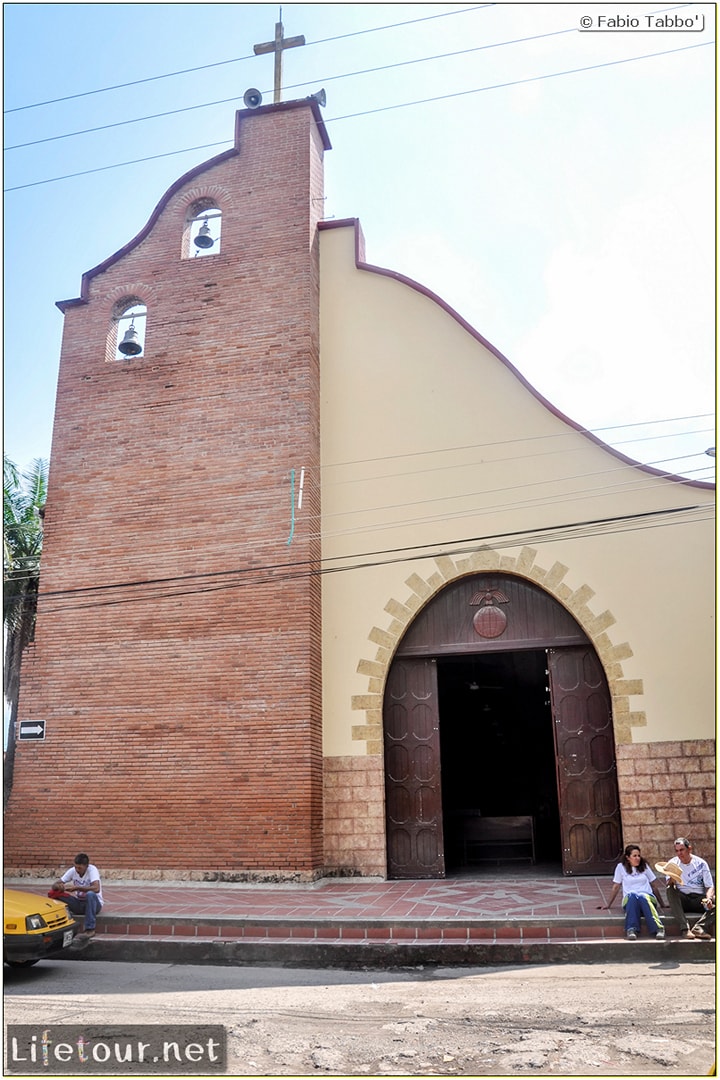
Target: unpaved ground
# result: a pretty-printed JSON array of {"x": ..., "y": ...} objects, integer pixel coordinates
[{"x": 562, "y": 1020}]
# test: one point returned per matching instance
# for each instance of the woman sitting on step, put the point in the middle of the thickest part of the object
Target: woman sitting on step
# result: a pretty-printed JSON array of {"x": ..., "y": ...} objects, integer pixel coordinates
[{"x": 640, "y": 894}]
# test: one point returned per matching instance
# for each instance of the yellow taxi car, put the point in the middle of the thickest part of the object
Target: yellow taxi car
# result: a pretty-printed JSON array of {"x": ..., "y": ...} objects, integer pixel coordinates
[{"x": 34, "y": 927}]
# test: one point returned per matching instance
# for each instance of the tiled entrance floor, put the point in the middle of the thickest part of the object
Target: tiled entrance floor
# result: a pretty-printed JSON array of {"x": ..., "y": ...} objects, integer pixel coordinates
[
  {"x": 489, "y": 894},
  {"x": 496, "y": 915}
]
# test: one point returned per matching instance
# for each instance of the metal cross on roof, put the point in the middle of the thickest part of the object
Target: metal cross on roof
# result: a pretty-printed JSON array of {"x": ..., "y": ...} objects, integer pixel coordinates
[{"x": 277, "y": 46}]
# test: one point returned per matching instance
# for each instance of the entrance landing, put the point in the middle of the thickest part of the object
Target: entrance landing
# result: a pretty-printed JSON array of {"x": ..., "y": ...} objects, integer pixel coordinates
[
  {"x": 494, "y": 916},
  {"x": 491, "y": 894}
]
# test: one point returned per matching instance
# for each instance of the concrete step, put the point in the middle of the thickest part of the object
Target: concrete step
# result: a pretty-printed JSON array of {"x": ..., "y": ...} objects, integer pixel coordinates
[
  {"x": 380, "y": 943},
  {"x": 391, "y": 930}
]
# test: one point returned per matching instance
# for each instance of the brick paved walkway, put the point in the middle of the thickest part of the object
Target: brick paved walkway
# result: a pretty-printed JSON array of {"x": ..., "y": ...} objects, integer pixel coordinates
[{"x": 491, "y": 894}]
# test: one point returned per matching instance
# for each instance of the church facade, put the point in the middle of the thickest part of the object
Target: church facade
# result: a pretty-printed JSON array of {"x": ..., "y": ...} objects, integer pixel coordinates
[{"x": 327, "y": 587}]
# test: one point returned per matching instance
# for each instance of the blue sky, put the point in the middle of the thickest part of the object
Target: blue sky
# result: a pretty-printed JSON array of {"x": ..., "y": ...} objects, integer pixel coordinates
[{"x": 567, "y": 214}]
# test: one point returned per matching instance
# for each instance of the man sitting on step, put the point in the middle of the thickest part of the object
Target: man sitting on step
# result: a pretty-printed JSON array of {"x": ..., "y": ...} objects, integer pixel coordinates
[
  {"x": 82, "y": 881},
  {"x": 692, "y": 892}
]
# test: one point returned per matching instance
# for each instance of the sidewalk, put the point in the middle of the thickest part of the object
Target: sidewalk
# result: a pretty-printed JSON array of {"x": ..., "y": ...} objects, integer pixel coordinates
[
  {"x": 494, "y": 894},
  {"x": 496, "y": 915}
]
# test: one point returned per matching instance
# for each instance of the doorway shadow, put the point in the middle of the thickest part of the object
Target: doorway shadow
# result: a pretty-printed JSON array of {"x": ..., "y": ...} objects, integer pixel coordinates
[
  {"x": 497, "y": 756},
  {"x": 526, "y": 871}
]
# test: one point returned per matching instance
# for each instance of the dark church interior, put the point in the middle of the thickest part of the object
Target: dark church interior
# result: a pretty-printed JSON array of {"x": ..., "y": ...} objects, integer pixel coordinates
[{"x": 498, "y": 761}]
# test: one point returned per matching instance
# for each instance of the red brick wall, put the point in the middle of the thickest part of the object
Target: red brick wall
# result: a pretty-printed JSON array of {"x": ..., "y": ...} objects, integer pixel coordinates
[
  {"x": 667, "y": 789},
  {"x": 177, "y": 654}
]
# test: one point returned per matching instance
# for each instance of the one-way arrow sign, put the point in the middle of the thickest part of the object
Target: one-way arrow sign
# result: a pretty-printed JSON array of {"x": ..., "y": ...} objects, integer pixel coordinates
[{"x": 32, "y": 729}]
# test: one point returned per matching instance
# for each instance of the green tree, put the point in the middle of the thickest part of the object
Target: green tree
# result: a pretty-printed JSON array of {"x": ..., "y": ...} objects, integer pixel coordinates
[{"x": 24, "y": 497}]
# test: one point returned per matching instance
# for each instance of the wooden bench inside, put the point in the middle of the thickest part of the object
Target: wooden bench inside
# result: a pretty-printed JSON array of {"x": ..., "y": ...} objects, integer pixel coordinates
[{"x": 497, "y": 839}]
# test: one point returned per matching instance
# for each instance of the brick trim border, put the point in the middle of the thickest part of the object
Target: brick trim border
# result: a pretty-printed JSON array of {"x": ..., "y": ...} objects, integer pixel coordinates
[{"x": 487, "y": 560}]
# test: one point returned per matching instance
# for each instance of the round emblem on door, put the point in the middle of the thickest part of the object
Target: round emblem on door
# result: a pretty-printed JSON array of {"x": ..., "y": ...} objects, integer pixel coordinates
[{"x": 489, "y": 621}]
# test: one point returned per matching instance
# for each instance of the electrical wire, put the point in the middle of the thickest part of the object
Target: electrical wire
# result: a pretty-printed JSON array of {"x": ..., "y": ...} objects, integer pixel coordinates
[
  {"x": 535, "y": 438},
  {"x": 259, "y": 501},
  {"x": 319, "y": 41},
  {"x": 117, "y": 165},
  {"x": 441, "y": 518},
  {"x": 517, "y": 82},
  {"x": 633, "y": 480},
  {"x": 483, "y": 446},
  {"x": 568, "y": 433},
  {"x": 370, "y": 112},
  {"x": 533, "y": 453},
  {"x": 250, "y": 56},
  {"x": 404, "y": 105},
  {"x": 292, "y": 86},
  {"x": 541, "y": 453},
  {"x": 542, "y": 438},
  {"x": 372, "y": 554},
  {"x": 534, "y": 503},
  {"x": 573, "y": 530},
  {"x": 582, "y": 493}
]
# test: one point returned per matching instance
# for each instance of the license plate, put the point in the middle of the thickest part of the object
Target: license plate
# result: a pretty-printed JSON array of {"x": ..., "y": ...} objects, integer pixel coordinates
[{"x": 67, "y": 938}]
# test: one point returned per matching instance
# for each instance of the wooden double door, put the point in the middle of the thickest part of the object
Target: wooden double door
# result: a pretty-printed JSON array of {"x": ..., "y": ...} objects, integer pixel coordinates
[{"x": 581, "y": 767}]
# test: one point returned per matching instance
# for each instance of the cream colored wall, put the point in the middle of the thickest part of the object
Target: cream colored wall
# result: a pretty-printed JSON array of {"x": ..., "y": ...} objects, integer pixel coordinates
[{"x": 402, "y": 383}]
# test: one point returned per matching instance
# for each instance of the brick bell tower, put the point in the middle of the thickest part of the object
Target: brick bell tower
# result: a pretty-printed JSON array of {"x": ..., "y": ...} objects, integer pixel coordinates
[{"x": 176, "y": 661}]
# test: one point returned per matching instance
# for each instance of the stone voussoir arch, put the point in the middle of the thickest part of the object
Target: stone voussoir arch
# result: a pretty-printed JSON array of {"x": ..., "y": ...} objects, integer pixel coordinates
[{"x": 488, "y": 560}]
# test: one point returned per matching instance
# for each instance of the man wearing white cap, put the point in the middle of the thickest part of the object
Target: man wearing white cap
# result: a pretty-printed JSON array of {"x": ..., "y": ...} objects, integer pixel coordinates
[{"x": 690, "y": 889}]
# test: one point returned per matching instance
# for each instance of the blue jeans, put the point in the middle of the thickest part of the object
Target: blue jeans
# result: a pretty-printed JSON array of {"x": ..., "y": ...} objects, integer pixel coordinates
[
  {"x": 637, "y": 904},
  {"x": 89, "y": 907}
]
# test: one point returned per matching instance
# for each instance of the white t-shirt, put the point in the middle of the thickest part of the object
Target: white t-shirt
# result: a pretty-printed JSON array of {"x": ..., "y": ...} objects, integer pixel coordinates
[
  {"x": 91, "y": 874},
  {"x": 696, "y": 876},
  {"x": 637, "y": 881}
]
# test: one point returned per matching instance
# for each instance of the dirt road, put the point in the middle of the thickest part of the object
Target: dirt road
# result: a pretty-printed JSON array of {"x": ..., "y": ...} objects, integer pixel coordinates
[{"x": 562, "y": 1020}]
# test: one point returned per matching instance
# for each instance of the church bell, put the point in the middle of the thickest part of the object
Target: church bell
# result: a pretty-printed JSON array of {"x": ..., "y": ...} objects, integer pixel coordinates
[
  {"x": 203, "y": 238},
  {"x": 130, "y": 344}
]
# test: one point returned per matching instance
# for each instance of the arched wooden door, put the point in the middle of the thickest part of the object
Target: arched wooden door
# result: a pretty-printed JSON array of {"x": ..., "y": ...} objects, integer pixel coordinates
[{"x": 499, "y": 613}]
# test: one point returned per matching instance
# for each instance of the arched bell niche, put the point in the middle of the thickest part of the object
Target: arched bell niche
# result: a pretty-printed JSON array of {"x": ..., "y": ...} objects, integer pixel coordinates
[
  {"x": 498, "y": 736},
  {"x": 202, "y": 232}
]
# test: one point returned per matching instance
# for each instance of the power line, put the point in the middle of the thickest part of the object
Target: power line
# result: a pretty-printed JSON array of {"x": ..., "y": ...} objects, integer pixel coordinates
[
  {"x": 635, "y": 484},
  {"x": 292, "y": 86},
  {"x": 477, "y": 512},
  {"x": 369, "y": 112},
  {"x": 239, "y": 59},
  {"x": 537, "y": 502},
  {"x": 483, "y": 446},
  {"x": 532, "y": 503},
  {"x": 518, "y": 82},
  {"x": 319, "y": 41},
  {"x": 260, "y": 500},
  {"x": 571, "y": 530},
  {"x": 596, "y": 492},
  {"x": 117, "y": 165},
  {"x": 371, "y": 554},
  {"x": 370, "y": 478},
  {"x": 570, "y": 432}
]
